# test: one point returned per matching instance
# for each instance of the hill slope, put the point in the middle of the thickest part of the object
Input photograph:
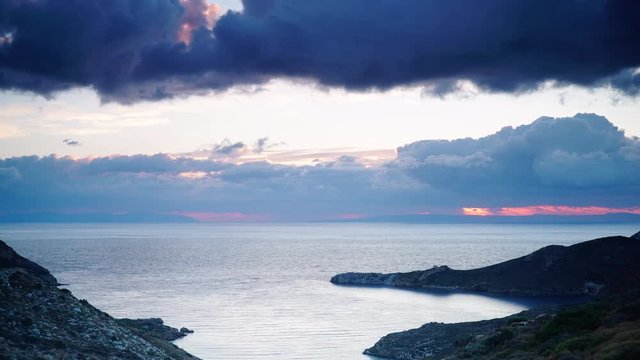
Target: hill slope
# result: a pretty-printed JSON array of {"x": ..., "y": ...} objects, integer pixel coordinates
[
  {"x": 38, "y": 321},
  {"x": 606, "y": 265}
]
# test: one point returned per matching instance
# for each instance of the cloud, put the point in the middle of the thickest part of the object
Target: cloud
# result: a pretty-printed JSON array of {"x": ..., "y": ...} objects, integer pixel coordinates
[
  {"x": 160, "y": 183},
  {"x": 197, "y": 14},
  {"x": 264, "y": 150},
  {"x": 578, "y": 160},
  {"x": 134, "y": 50},
  {"x": 8, "y": 175},
  {"x": 581, "y": 164},
  {"x": 228, "y": 149},
  {"x": 261, "y": 145},
  {"x": 71, "y": 142}
]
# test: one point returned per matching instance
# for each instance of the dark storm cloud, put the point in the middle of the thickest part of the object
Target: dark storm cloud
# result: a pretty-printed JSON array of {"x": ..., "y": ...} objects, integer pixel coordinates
[
  {"x": 131, "y": 49},
  {"x": 58, "y": 44},
  {"x": 578, "y": 161}
]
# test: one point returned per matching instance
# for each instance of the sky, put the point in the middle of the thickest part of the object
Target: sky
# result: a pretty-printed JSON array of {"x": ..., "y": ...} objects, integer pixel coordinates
[{"x": 286, "y": 110}]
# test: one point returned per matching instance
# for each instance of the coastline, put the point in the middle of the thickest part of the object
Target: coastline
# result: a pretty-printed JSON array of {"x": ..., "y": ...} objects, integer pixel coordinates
[
  {"x": 592, "y": 267},
  {"x": 40, "y": 320},
  {"x": 607, "y": 268}
]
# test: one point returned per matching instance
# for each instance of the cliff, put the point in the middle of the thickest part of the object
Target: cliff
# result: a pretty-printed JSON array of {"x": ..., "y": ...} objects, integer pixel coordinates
[
  {"x": 40, "y": 321},
  {"x": 601, "y": 266}
]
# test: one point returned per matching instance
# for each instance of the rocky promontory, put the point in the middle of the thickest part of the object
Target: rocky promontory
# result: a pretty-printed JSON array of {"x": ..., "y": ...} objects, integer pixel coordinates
[
  {"x": 601, "y": 266},
  {"x": 607, "y": 328},
  {"x": 38, "y": 320}
]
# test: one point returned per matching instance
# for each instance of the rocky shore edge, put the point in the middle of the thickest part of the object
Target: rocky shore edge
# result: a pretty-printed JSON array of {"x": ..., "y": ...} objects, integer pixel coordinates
[
  {"x": 606, "y": 328},
  {"x": 599, "y": 266},
  {"x": 38, "y": 320}
]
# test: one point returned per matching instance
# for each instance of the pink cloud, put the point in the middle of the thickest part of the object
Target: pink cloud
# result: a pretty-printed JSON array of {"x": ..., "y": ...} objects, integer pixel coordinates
[
  {"x": 198, "y": 13},
  {"x": 475, "y": 211},
  {"x": 548, "y": 210},
  {"x": 564, "y": 210}
]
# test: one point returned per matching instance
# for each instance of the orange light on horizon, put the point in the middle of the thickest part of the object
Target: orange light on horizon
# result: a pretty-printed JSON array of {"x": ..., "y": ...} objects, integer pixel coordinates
[
  {"x": 549, "y": 210},
  {"x": 565, "y": 210},
  {"x": 472, "y": 211}
]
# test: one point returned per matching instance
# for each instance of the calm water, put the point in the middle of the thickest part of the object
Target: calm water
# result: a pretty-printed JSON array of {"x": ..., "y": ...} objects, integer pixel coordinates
[{"x": 262, "y": 291}]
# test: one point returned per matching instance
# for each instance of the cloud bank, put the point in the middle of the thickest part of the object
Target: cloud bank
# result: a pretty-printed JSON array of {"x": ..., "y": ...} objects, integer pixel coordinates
[
  {"x": 581, "y": 164},
  {"x": 574, "y": 161},
  {"x": 133, "y": 50}
]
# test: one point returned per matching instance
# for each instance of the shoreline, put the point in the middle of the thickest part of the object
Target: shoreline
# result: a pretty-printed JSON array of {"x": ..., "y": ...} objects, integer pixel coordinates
[
  {"x": 603, "y": 271},
  {"x": 40, "y": 320}
]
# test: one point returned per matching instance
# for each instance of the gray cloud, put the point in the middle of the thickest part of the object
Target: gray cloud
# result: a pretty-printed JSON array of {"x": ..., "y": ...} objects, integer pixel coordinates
[
  {"x": 578, "y": 161},
  {"x": 8, "y": 175},
  {"x": 71, "y": 142},
  {"x": 228, "y": 149},
  {"x": 260, "y": 145}
]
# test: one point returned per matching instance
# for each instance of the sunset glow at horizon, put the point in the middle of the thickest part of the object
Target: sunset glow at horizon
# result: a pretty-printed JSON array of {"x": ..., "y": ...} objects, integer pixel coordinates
[
  {"x": 471, "y": 211},
  {"x": 278, "y": 111},
  {"x": 548, "y": 210}
]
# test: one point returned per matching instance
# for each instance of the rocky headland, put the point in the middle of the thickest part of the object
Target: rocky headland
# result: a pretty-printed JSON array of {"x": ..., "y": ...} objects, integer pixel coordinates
[
  {"x": 606, "y": 328},
  {"x": 38, "y": 320},
  {"x": 605, "y": 265}
]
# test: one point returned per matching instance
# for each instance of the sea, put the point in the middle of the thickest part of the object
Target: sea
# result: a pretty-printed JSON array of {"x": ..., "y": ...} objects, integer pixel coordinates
[{"x": 262, "y": 291}]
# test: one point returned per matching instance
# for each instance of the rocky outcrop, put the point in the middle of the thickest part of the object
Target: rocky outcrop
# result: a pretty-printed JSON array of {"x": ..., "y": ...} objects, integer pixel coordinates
[
  {"x": 601, "y": 266},
  {"x": 438, "y": 340},
  {"x": 607, "y": 328},
  {"x": 40, "y": 321},
  {"x": 609, "y": 267},
  {"x": 10, "y": 259},
  {"x": 155, "y": 327},
  {"x": 352, "y": 278}
]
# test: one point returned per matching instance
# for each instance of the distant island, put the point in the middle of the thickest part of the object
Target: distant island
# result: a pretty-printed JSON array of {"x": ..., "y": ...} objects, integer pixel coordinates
[
  {"x": 38, "y": 320},
  {"x": 606, "y": 328}
]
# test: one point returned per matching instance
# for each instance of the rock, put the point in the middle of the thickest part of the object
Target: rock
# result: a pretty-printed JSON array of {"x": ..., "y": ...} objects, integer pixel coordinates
[
  {"x": 185, "y": 331},
  {"x": 155, "y": 327},
  {"x": 10, "y": 259},
  {"x": 608, "y": 267},
  {"x": 601, "y": 266},
  {"x": 431, "y": 341},
  {"x": 365, "y": 279},
  {"x": 596, "y": 330},
  {"x": 40, "y": 321}
]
